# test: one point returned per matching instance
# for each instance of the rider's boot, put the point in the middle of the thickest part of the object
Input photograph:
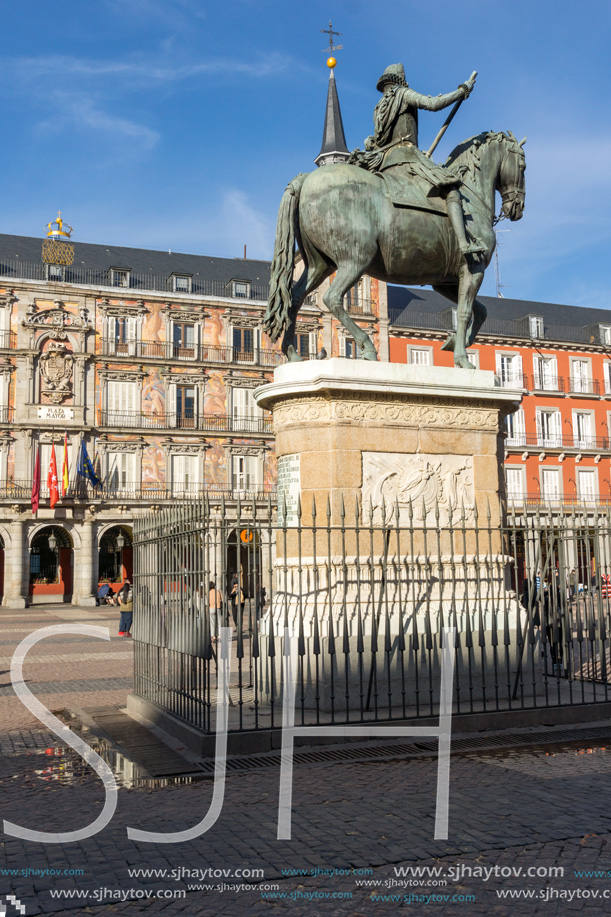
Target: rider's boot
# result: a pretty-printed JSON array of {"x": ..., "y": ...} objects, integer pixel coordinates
[{"x": 457, "y": 219}]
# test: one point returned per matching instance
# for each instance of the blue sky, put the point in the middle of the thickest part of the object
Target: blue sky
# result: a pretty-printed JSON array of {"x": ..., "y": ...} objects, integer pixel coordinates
[{"x": 177, "y": 123}]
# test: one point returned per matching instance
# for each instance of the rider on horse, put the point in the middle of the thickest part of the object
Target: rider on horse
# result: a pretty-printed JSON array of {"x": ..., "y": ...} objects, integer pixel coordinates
[{"x": 395, "y": 144}]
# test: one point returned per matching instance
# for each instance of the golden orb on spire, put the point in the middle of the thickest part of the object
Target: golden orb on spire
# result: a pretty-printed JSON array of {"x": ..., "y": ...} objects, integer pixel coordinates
[{"x": 331, "y": 62}]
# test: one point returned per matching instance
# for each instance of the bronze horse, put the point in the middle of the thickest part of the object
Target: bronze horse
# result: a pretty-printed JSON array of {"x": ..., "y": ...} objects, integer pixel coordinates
[{"x": 344, "y": 221}]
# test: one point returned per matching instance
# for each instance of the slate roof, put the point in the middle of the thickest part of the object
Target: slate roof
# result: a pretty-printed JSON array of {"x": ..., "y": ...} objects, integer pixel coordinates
[
  {"x": 421, "y": 308},
  {"x": 140, "y": 260}
]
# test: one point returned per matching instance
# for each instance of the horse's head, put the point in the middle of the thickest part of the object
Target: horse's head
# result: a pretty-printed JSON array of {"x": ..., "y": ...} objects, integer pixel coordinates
[{"x": 511, "y": 178}]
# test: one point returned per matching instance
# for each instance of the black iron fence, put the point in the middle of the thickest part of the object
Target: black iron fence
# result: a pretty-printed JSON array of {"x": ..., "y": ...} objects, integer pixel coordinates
[{"x": 361, "y": 605}]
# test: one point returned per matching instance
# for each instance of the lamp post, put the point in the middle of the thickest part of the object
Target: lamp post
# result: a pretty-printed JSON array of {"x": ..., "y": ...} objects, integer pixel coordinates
[
  {"x": 53, "y": 547},
  {"x": 120, "y": 546}
]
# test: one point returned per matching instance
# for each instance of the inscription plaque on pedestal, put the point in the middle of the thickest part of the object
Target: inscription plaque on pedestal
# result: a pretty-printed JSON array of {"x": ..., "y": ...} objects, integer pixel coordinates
[{"x": 289, "y": 488}]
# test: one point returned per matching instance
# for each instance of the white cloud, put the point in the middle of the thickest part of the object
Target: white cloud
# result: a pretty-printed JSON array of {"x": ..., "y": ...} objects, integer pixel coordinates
[{"x": 80, "y": 113}]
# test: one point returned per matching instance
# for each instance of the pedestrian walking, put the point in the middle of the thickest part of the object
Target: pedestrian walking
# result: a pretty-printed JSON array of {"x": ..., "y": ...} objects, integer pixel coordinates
[{"x": 215, "y": 604}]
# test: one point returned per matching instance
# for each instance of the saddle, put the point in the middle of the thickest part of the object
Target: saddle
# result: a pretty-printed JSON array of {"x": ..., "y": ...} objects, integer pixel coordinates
[
  {"x": 413, "y": 181},
  {"x": 404, "y": 191}
]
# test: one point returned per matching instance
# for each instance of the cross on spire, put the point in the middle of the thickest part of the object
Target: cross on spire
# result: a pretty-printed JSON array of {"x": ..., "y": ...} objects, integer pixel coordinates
[{"x": 331, "y": 33}]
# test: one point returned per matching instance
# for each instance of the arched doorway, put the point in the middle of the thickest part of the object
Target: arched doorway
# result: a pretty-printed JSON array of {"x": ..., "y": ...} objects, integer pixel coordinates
[
  {"x": 116, "y": 556},
  {"x": 51, "y": 559}
]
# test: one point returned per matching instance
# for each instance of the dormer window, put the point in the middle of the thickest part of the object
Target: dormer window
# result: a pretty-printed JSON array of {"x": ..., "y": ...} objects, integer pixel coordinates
[
  {"x": 181, "y": 283},
  {"x": 55, "y": 272},
  {"x": 535, "y": 326},
  {"x": 605, "y": 334},
  {"x": 241, "y": 289},
  {"x": 119, "y": 277}
]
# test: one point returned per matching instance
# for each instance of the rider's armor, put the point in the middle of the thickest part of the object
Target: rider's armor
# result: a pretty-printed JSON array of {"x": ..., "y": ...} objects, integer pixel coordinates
[{"x": 394, "y": 144}]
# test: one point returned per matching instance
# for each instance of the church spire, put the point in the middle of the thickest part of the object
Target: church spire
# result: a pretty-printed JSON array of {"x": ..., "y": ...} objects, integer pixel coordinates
[{"x": 333, "y": 147}]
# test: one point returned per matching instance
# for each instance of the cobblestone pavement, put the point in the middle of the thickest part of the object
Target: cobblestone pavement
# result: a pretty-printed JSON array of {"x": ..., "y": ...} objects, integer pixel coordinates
[{"x": 360, "y": 830}]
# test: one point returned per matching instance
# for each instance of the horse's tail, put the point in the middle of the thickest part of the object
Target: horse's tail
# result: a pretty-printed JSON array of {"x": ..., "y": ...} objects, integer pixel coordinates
[{"x": 281, "y": 281}]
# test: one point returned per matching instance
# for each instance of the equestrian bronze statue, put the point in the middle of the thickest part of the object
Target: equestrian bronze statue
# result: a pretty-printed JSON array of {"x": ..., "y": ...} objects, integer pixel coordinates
[{"x": 392, "y": 213}]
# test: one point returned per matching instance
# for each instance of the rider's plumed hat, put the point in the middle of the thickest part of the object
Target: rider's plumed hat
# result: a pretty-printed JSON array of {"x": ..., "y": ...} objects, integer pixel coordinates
[{"x": 393, "y": 74}]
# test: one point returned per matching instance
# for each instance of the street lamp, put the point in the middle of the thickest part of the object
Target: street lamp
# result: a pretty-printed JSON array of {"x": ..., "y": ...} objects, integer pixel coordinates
[
  {"x": 120, "y": 546},
  {"x": 53, "y": 547}
]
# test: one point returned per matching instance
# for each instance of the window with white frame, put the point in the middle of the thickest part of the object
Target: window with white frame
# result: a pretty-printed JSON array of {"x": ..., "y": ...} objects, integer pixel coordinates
[
  {"x": 509, "y": 370},
  {"x": 550, "y": 483},
  {"x": 535, "y": 326},
  {"x": 119, "y": 277},
  {"x": 583, "y": 434},
  {"x": 121, "y": 403},
  {"x": 605, "y": 334},
  {"x": 607, "y": 376},
  {"x": 184, "y": 340},
  {"x": 241, "y": 289},
  {"x": 549, "y": 428},
  {"x": 514, "y": 483},
  {"x": 581, "y": 376},
  {"x": 246, "y": 472},
  {"x": 246, "y": 415},
  {"x": 546, "y": 373},
  {"x": 515, "y": 428},
  {"x": 121, "y": 471},
  {"x": 185, "y": 474},
  {"x": 181, "y": 283},
  {"x": 587, "y": 484},
  {"x": 419, "y": 356},
  {"x": 121, "y": 335},
  {"x": 473, "y": 356},
  {"x": 348, "y": 348},
  {"x": 186, "y": 406}
]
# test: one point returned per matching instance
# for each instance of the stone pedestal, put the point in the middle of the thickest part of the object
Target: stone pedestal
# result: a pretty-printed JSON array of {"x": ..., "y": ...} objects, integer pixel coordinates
[{"x": 404, "y": 465}]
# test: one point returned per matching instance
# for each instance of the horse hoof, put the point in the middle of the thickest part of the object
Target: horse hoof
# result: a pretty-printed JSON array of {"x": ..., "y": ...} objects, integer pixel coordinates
[
  {"x": 463, "y": 363},
  {"x": 369, "y": 352}
]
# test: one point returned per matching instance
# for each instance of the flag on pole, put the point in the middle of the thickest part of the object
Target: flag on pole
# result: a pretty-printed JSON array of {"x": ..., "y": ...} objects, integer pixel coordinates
[
  {"x": 84, "y": 467},
  {"x": 65, "y": 473},
  {"x": 52, "y": 482},
  {"x": 36, "y": 483}
]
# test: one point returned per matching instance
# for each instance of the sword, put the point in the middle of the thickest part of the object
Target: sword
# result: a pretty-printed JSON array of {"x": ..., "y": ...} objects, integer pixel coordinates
[{"x": 447, "y": 123}]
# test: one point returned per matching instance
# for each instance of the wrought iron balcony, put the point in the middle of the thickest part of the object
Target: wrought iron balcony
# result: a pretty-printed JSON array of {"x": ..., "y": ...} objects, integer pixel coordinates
[
  {"x": 8, "y": 340},
  {"x": 579, "y": 386},
  {"x": 147, "y": 492},
  {"x": 205, "y": 423},
  {"x": 544, "y": 382},
  {"x": 571, "y": 441},
  {"x": 193, "y": 353},
  {"x": 558, "y": 500},
  {"x": 512, "y": 380},
  {"x": 7, "y": 414}
]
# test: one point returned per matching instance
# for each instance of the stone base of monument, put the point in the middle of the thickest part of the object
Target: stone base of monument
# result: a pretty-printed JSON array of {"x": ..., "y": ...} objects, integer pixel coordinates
[{"x": 390, "y": 511}]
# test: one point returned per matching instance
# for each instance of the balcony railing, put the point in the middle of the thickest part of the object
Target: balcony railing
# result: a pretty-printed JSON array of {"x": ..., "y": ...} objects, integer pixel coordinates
[
  {"x": 358, "y": 306},
  {"x": 512, "y": 380},
  {"x": 193, "y": 353},
  {"x": 7, "y": 414},
  {"x": 150, "y": 492},
  {"x": 8, "y": 340},
  {"x": 206, "y": 423},
  {"x": 557, "y": 441},
  {"x": 579, "y": 386},
  {"x": 541, "y": 499},
  {"x": 542, "y": 382},
  {"x": 161, "y": 283}
]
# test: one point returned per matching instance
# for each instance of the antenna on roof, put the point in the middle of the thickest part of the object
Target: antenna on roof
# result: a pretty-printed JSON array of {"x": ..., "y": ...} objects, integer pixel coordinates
[
  {"x": 244, "y": 251},
  {"x": 497, "y": 270}
]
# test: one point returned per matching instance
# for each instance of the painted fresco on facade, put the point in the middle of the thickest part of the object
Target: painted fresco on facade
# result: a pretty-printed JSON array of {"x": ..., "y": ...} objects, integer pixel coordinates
[
  {"x": 153, "y": 394},
  {"x": 215, "y": 395},
  {"x": 153, "y": 462},
  {"x": 215, "y": 467}
]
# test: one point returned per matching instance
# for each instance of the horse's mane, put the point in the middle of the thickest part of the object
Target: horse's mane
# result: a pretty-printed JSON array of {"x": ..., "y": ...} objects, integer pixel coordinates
[{"x": 465, "y": 158}]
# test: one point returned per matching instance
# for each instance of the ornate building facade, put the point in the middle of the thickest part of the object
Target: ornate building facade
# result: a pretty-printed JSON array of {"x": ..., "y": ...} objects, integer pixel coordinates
[{"x": 150, "y": 359}]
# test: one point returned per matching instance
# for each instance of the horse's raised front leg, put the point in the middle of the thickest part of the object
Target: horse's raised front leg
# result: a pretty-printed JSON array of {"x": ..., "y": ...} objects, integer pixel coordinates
[
  {"x": 469, "y": 282},
  {"x": 346, "y": 277}
]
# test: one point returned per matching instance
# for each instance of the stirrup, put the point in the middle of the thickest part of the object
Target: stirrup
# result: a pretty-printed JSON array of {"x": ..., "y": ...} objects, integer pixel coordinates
[{"x": 472, "y": 248}]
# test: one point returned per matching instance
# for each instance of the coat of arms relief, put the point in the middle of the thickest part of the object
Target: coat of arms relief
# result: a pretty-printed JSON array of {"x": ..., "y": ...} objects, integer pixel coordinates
[{"x": 56, "y": 366}]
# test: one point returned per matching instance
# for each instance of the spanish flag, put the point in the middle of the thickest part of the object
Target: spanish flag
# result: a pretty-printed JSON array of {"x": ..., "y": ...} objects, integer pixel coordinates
[{"x": 65, "y": 472}]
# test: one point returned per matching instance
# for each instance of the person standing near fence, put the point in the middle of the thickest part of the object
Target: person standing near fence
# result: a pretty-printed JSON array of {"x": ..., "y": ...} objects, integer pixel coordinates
[
  {"x": 215, "y": 603},
  {"x": 126, "y": 603}
]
